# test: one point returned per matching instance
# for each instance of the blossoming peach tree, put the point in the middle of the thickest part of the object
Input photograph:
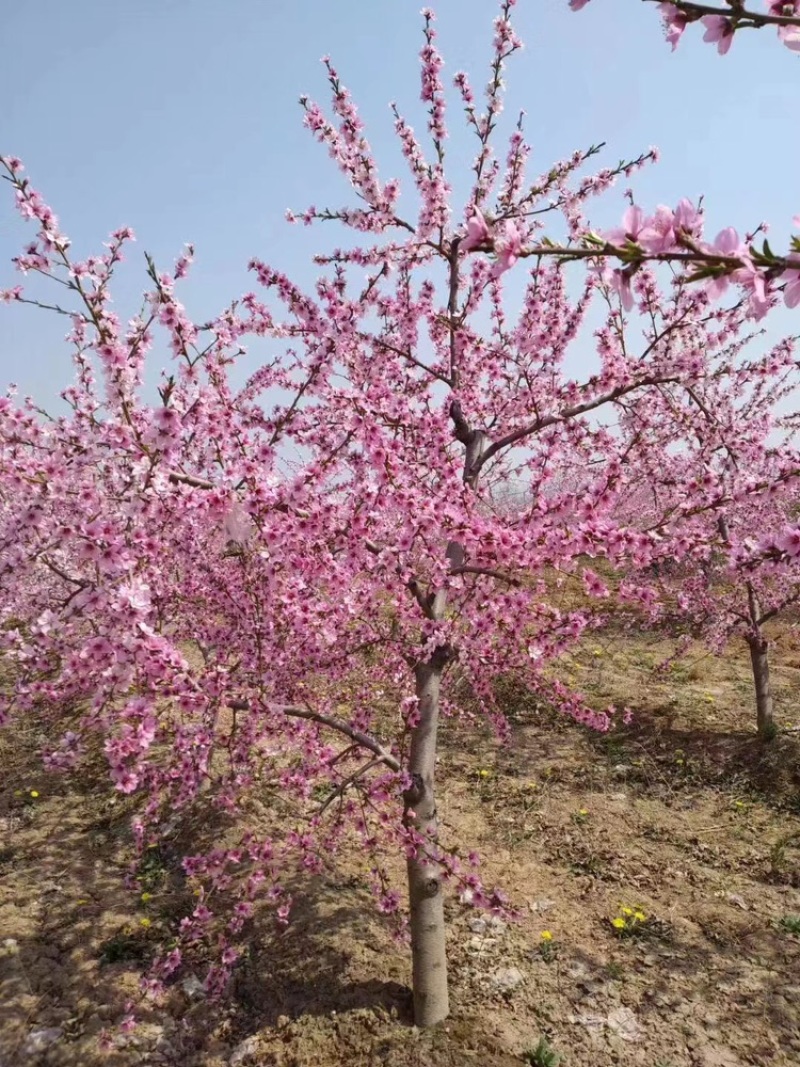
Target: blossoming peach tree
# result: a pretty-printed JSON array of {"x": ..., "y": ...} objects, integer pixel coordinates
[
  {"x": 274, "y": 585},
  {"x": 737, "y": 574}
]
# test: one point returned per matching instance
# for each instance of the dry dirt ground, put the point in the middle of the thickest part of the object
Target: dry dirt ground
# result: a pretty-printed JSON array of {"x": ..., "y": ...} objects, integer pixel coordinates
[{"x": 683, "y": 815}]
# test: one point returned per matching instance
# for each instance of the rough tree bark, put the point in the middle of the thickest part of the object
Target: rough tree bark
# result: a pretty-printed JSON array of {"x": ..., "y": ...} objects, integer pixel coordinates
[
  {"x": 425, "y": 876},
  {"x": 759, "y": 659},
  {"x": 759, "y": 652}
]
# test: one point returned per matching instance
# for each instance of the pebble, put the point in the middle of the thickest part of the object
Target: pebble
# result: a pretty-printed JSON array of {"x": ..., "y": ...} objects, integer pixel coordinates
[
  {"x": 621, "y": 1022},
  {"x": 481, "y": 943},
  {"x": 192, "y": 986},
  {"x": 590, "y": 1021},
  {"x": 541, "y": 906},
  {"x": 507, "y": 979},
  {"x": 624, "y": 1023},
  {"x": 735, "y": 898},
  {"x": 480, "y": 926},
  {"x": 244, "y": 1052},
  {"x": 39, "y": 1040}
]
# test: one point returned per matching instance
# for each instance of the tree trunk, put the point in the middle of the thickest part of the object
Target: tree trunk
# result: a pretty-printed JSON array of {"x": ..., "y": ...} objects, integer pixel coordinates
[
  {"x": 759, "y": 658},
  {"x": 425, "y": 881}
]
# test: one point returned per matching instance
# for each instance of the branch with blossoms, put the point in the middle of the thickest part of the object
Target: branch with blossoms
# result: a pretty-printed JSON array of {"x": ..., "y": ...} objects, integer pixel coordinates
[
  {"x": 667, "y": 236},
  {"x": 357, "y": 736},
  {"x": 723, "y": 21},
  {"x": 782, "y": 547}
]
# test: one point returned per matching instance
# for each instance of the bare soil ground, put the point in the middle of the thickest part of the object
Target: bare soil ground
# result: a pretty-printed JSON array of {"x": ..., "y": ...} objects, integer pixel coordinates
[{"x": 683, "y": 814}]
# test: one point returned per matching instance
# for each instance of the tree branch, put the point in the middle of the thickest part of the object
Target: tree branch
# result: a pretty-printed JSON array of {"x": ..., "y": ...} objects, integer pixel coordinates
[
  {"x": 342, "y": 788},
  {"x": 566, "y": 413},
  {"x": 341, "y": 727},
  {"x": 469, "y": 569},
  {"x": 735, "y": 11}
]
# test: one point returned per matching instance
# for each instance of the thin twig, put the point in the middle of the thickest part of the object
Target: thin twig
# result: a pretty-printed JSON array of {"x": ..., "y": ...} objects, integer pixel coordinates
[
  {"x": 341, "y": 789},
  {"x": 334, "y": 724}
]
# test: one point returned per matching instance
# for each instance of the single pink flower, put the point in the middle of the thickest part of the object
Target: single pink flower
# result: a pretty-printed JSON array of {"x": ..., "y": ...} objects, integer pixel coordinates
[
  {"x": 726, "y": 243},
  {"x": 621, "y": 283},
  {"x": 789, "y": 542},
  {"x": 675, "y": 23},
  {"x": 752, "y": 280},
  {"x": 791, "y": 291},
  {"x": 659, "y": 233},
  {"x": 719, "y": 31},
  {"x": 508, "y": 250},
  {"x": 790, "y": 35},
  {"x": 477, "y": 232},
  {"x": 688, "y": 218},
  {"x": 633, "y": 221}
]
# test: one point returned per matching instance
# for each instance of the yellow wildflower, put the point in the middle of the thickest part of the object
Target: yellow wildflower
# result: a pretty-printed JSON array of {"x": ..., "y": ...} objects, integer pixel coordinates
[
  {"x": 145, "y": 897},
  {"x": 618, "y": 924},
  {"x": 483, "y": 773},
  {"x": 34, "y": 793},
  {"x": 639, "y": 916},
  {"x": 627, "y": 911},
  {"x": 145, "y": 922},
  {"x": 547, "y": 935},
  {"x": 583, "y": 811}
]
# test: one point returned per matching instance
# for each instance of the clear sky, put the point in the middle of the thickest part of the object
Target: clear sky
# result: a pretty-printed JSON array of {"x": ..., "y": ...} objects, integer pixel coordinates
[{"x": 180, "y": 119}]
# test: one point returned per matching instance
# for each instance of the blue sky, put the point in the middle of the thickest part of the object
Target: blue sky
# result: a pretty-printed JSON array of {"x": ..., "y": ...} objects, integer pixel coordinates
[{"x": 180, "y": 118}]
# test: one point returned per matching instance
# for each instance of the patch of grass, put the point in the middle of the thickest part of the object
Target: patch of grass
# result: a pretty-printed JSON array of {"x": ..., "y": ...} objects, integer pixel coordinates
[
  {"x": 581, "y": 816},
  {"x": 152, "y": 870},
  {"x": 544, "y": 1055},
  {"x": 615, "y": 749},
  {"x": 548, "y": 948},
  {"x": 590, "y": 863},
  {"x": 770, "y": 733},
  {"x": 782, "y": 867},
  {"x": 790, "y": 924},
  {"x": 124, "y": 947}
]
